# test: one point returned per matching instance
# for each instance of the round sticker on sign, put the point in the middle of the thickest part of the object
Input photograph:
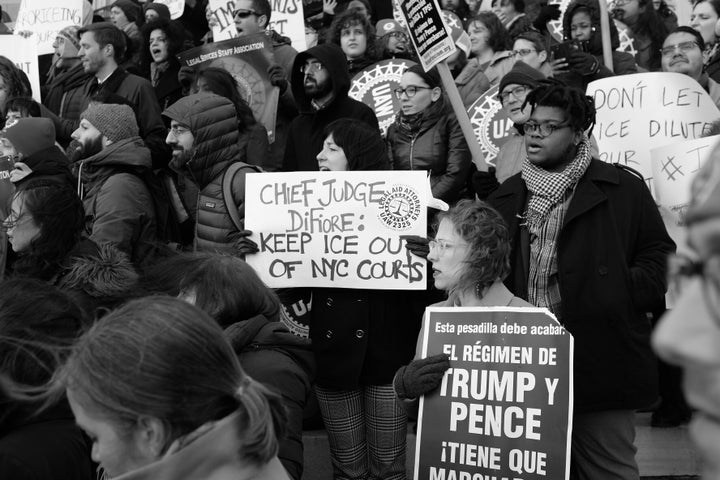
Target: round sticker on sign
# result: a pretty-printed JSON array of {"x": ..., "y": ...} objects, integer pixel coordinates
[
  {"x": 399, "y": 208},
  {"x": 374, "y": 87},
  {"x": 490, "y": 124}
]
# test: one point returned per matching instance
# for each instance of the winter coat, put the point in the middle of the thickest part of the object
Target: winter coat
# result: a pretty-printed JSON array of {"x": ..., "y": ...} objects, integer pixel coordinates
[
  {"x": 168, "y": 89},
  {"x": 270, "y": 354},
  {"x": 213, "y": 121},
  {"x": 358, "y": 65},
  {"x": 43, "y": 447},
  {"x": 520, "y": 24},
  {"x": 611, "y": 259},
  {"x": 500, "y": 64},
  {"x": 254, "y": 146},
  {"x": 437, "y": 145},
  {"x": 139, "y": 92},
  {"x": 284, "y": 55},
  {"x": 306, "y": 138},
  {"x": 49, "y": 163},
  {"x": 118, "y": 203},
  {"x": 511, "y": 156},
  {"x": 471, "y": 82},
  {"x": 213, "y": 455},
  {"x": 361, "y": 337},
  {"x": 713, "y": 67},
  {"x": 65, "y": 96}
]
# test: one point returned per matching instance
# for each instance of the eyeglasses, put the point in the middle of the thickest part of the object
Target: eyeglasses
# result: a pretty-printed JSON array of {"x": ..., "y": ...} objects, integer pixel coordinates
[
  {"x": 523, "y": 52},
  {"x": 399, "y": 35},
  {"x": 311, "y": 67},
  {"x": 443, "y": 246},
  {"x": 682, "y": 267},
  {"x": 516, "y": 92},
  {"x": 177, "y": 130},
  {"x": 410, "y": 91},
  {"x": 545, "y": 129},
  {"x": 684, "y": 47},
  {"x": 244, "y": 13}
]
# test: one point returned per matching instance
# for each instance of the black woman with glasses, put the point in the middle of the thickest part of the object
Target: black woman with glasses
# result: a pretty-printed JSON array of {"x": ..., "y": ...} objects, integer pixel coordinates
[{"x": 426, "y": 135}]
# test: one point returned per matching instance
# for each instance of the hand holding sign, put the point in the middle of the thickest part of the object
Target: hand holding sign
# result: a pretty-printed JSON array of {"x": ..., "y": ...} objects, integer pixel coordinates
[{"x": 421, "y": 376}]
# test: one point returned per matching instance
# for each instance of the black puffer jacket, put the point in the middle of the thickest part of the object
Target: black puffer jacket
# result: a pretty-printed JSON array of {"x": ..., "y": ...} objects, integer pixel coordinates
[{"x": 436, "y": 144}]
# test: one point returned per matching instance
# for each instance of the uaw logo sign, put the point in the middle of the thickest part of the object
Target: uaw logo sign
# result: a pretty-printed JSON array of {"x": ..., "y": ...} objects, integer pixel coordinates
[
  {"x": 374, "y": 87},
  {"x": 490, "y": 124},
  {"x": 399, "y": 208}
]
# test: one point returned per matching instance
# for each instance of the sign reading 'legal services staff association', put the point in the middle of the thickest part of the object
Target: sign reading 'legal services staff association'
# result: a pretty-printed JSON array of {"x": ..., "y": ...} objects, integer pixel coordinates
[
  {"x": 337, "y": 229},
  {"x": 429, "y": 33},
  {"x": 503, "y": 408}
]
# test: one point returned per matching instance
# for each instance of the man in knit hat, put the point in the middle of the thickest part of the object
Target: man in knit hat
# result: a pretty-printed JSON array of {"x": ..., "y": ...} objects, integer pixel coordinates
[{"x": 117, "y": 200}]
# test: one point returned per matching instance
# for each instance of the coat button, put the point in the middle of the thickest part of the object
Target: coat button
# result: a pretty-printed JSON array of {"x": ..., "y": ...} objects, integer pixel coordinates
[
  {"x": 329, "y": 302},
  {"x": 602, "y": 270},
  {"x": 359, "y": 334},
  {"x": 329, "y": 334}
]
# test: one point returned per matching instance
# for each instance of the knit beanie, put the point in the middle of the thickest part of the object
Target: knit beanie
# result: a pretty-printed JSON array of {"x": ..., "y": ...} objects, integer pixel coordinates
[
  {"x": 30, "y": 135},
  {"x": 72, "y": 42},
  {"x": 431, "y": 77},
  {"x": 521, "y": 74},
  {"x": 162, "y": 10},
  {"x": 129, "y": 8},
  {"x": 116, "y": 122}
]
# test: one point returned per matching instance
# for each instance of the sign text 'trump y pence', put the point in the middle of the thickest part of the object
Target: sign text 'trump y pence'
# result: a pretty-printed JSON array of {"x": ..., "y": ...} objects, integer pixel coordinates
[
  {"x": 337, "y": 229},
  {"x": 504, "y": 407}
]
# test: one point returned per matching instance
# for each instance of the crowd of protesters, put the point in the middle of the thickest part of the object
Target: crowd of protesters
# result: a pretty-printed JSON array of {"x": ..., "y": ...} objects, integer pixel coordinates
[{"x": 134, "y": 339}]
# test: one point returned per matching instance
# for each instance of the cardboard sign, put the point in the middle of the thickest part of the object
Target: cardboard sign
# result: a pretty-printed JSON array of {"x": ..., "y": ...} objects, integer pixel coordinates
[
  {"x": 374, "y": 87},
  {"x": 247, "y": 59},
  {"x": 23, "y": 52},
  {"x": 673, "y": 169},
  {"x": 289, "y": 21},
  {"x": 337, "y": 229},
  {"x": 428, "y": 32},
  {"x": 176, "y": 7},
  {"x": 644, "y": 109},
  {"x": 224, "y": 25},
  {"x": 44, "y": 18},
  {"x": 490, "y": 124},
  {"x": 504, "y": 408}
]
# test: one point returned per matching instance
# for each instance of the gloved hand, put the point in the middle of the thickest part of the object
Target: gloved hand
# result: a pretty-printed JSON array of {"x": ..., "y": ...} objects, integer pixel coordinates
[
  {"x": 417, "y": 245},
  {"x": 547, "y": 13},
  {"x": 484, "y": 183},
  {"x": 243, "y": 245},
  {"x": 420, "y": 376},
  {"x": 277, "y": 77},
  {"x": 583, "y": 63}
]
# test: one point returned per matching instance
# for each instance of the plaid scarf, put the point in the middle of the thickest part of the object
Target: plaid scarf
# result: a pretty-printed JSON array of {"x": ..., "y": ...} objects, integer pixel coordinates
[{"x": 547, "y": 188}]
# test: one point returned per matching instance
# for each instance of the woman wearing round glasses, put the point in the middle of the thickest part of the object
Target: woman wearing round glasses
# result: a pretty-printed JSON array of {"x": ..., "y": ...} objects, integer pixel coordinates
[{"x": 427, "y": 136}]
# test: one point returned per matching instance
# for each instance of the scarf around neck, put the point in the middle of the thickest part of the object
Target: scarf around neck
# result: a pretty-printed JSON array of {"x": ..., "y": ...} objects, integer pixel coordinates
[{"x": 548, "y": 188}]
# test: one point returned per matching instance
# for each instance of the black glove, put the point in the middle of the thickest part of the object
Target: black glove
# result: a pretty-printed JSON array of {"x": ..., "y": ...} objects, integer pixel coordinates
[
  {"x": 484, "y": 183},
  {"x": 583, "y": 63},
  {"x": 547, "y": 13},
  {"x": 417, "y": 245},
  {"x": 421, "y": 376},
  {"x": 277, "y": 77},
  {"x": 244, "y": 245}
]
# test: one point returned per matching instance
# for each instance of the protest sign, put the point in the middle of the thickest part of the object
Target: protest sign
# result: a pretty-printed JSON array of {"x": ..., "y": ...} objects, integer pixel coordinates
[
  {"x": 44, "y": 18},
  {"x": 374, "y": 87},
  {"x": 224, "y": 22},
  {"x": 176, "y": 7},
  {"x": 673, "y": 168},
  {"x": 23, "y": 52},
  {"x": 247, "y": 59},
  {"x": 288, "y": 20},
  {"x": 490, "y": 124},
  {"x": 643, "y": 109},
  {"x": 428, "y": 32},
  {"x": 337, "y": 229},
  {"x": 504, "y": 408}
]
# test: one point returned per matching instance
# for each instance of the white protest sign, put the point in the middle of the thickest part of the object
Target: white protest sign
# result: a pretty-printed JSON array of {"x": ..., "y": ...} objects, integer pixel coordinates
[
  {"x": 23, "y": 52},
  {"x": 644, "y": 109},
  {"x": 289, "y": 21},
  {"x": 224, "y": 23},
  {"x": 176, "y": 7},
  {"x": 673, "y": 169},
  {"x": 337, "y": 229},
  {"x": 47, "y": 17},
  {"x": 429, "y": 33}
]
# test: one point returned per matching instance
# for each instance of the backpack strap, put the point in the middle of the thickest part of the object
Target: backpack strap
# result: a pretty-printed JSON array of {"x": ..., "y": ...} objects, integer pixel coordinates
[{"x": 227, "y": 182}]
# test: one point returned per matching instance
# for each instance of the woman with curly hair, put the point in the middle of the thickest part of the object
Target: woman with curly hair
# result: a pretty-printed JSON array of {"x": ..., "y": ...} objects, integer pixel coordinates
[
  {"x": 163, "y": 39},
  {"x": 648, "y": 30},
  {"x": 13, "y": 83},
  {"x": 490, "y": 42},
  {"x": 355, "y": 35}
]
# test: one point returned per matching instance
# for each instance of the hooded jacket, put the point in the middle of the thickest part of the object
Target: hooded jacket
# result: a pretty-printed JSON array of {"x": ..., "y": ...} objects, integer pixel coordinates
[
  {"x": 305, "y": 138},
  {"x": 212, "y": 119},
  {"x": 270, "y": 354},
  {"x": 284, "y": 55},
  {"x": 118, "y": 203},
  {"x": 65, "y": 96}
]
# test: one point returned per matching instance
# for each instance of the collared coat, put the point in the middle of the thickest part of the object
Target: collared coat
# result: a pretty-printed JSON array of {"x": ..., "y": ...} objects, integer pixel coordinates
[{"x": 611, "y": 257}]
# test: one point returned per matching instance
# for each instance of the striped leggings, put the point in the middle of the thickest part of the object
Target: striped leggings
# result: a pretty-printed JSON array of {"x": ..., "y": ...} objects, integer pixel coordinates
[{"x": 367, "y": 431}]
